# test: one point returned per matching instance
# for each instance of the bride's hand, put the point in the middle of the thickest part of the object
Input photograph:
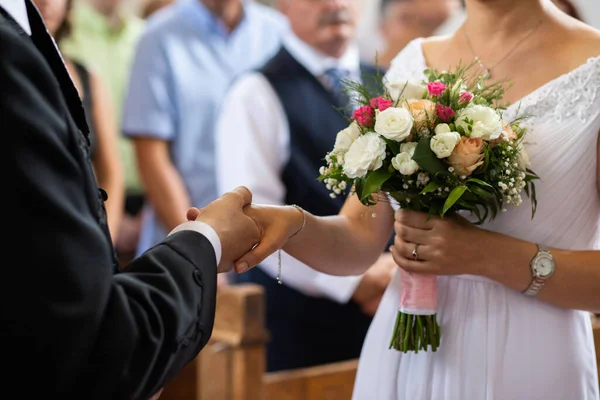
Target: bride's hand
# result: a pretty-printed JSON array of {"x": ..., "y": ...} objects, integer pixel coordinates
[
  {"x": 444, "y": 246},
  {"x": 277, "y": 224}
]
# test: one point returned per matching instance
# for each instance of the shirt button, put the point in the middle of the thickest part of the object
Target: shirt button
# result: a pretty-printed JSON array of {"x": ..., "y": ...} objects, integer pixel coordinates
[
  {"x": 103, "y": 194},
  {"x": 197, "y": 277}
]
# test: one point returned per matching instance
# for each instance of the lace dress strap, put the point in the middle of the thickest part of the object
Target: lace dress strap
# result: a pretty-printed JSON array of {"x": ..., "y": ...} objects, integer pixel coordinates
[{"x": 573, "y": 95}]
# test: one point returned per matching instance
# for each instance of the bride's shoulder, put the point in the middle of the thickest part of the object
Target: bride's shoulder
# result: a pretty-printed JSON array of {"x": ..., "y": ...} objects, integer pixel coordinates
[
  {"x": 411, "y": 59},
  {"x": 578, "y": 42},
  {"x": 435, "y": 44}
]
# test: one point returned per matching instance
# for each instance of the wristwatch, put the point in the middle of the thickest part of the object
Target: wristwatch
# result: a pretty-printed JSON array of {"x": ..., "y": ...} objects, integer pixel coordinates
[{"x": 542, "y": 268}]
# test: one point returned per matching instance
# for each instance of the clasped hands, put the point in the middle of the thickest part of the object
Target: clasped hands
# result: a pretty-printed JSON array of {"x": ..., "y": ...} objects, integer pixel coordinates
[{"x": 249, "y": 233}]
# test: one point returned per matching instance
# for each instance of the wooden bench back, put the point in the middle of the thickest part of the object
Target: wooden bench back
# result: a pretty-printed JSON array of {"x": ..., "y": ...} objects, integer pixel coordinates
[
  {"x": 232, "y": 366},
  {"x": 596, "y": 329}
]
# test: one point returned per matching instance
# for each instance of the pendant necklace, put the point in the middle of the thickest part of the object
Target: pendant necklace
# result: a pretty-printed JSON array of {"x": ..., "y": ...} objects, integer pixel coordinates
[{"x": 487, "y": 71}]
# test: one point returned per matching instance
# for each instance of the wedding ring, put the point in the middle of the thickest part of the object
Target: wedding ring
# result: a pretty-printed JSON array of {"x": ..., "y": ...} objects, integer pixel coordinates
[{"x": 415, "y": 253}]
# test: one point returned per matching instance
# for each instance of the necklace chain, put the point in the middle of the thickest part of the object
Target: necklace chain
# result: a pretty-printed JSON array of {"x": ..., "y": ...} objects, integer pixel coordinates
[{"x": 487, "y": 70}]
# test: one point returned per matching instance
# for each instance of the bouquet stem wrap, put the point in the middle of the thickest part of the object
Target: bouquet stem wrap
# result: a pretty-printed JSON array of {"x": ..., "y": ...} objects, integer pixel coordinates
[{"x": 416, "y": 327}]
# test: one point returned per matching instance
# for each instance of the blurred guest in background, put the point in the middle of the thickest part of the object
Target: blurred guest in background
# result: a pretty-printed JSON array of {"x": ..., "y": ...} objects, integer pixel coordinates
[
  {"x": 99, "y": 112},
  {"x": 274, "y": 129},
  {"x": 405, "y": 20},
  {"x": 151, "y": 6},
  {"x": 568, "y": 7},
  {"x": 103, "y": 37},
  {"x": 183, "y": 65}
]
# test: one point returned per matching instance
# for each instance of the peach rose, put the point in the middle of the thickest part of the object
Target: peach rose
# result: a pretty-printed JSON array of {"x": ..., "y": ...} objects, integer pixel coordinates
[
  {"x": 507, "y": 134},
  {"x": 467, "y": 156},
  {"x": 423, "y": 112}
]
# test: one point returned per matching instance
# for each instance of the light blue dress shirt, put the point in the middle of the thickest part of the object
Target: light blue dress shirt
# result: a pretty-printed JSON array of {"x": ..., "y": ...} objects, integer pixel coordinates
[{"x": 184, "y": 64}]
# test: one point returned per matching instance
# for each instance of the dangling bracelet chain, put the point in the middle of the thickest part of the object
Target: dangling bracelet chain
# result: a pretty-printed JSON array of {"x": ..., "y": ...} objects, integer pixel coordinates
[{"x": 299, "y": 230}]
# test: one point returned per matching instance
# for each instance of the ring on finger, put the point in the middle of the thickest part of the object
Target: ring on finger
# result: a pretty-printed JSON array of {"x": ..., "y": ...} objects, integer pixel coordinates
[{"x": 415, "y": 253}]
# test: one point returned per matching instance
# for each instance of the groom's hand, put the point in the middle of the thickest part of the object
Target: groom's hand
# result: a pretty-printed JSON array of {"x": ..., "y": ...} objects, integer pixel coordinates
[{"x": 237, "y": 232}]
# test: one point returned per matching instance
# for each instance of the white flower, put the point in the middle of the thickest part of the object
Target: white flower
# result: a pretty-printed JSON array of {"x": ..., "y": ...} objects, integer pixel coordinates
[
  {"x": 405, "y": 89},
  {"x": 487, "y": 123},
  {"x": 404, "y": 163},
  {"x": 408, "y": 148},
  {"x": 422, "y": 179},
  {"x": 345, "y": 138},
  {"x": 365, "y": 154},
  {"x": 442, "y": 144},
  {"x": 395, "y": 123},
  {"x": 442, "y": 128},
  {"x": 523, "y": 158}
]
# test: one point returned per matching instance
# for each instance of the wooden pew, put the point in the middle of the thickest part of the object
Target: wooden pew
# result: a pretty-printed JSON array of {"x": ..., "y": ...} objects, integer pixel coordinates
[
  {"x": 596, "y": 328},
  {"x": 232, "y": 366}
]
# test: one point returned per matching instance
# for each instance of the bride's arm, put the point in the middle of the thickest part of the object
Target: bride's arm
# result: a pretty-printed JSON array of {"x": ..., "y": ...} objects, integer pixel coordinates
[
  {"x": 344, "y": 244},
  {"x": 454, "y": 246},
  {"x": 449, "y": 247}
]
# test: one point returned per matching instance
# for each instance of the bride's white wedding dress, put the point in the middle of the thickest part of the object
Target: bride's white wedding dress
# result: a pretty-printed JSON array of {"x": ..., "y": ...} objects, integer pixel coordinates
[{"x": 498, "y": 344}]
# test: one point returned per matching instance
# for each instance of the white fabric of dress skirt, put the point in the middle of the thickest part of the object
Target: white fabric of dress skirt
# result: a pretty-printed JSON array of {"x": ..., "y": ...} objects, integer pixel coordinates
[{"x": 498, "y": 344}]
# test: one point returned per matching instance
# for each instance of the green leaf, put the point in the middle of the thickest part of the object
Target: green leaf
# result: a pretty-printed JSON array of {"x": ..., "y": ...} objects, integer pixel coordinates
[
  {"x": 454, "y": 196},
  {"x": 533, "y": 200},
  {"x": 473, "y": 209},
  {"x": 434, "y": 211},
  {"x": 486, "y": 159},
  {"x": 373, "y": 182},
  {"x": 481, "y": 192},
  {"x": 359, "y": 187},
  {"x": 433, "y": 185},
  {"x": 426, "y": 158},
  {"x": 393, "y": 146},
  {"x": 479, "y": 182}
]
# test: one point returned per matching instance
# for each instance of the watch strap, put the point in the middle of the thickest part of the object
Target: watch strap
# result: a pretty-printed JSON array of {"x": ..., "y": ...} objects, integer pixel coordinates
[{"x": 537, "y": 283}]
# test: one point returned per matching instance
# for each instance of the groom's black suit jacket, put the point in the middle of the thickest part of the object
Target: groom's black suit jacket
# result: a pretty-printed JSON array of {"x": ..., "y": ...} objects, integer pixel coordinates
[{"x": 71, "y": 325}]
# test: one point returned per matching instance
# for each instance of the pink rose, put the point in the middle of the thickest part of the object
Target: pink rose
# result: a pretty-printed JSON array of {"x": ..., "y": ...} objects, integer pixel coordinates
[
  {"x": 444, "y": 112},
  {"x": 381, "y": 103},
  {"x": 467, "y": 156},
  {"x": 465, "y": 97},
  {"x": 364, "y": 116},
  {"x": 436, "y": 88},
  {"x": 423, "y": 112}
]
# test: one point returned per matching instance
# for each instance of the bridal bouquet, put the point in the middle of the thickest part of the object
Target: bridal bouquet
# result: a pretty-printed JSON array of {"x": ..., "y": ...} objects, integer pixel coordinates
[{"x": 438, "y": 146}]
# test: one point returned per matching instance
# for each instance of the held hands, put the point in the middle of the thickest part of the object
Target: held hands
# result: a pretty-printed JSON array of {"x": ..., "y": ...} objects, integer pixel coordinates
[
  {"x": 448, "y": 246},
  {"x": 237, "y": 232},
  {"x": 277, "y": 225}
]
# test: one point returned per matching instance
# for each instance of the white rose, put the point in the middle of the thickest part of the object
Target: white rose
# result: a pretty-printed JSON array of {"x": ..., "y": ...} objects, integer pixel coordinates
[
  {"x": 345, "y": 138},
  {"x": 365, "y": 154},
  {"x": 442, "y": 144},
  {"x": 408, "y": 148},
  {"x": 395, "y": 123},
  {"x": 405, "y": 89},
  {"x": 404, "y": 163},
  {"x": 523, "y": 161},
  {"x": 442, "y": 128},
  {"x": 487, "y": 124}
]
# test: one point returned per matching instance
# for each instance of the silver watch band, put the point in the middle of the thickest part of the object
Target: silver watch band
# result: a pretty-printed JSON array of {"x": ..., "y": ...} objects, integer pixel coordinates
[
  {"x": 535, "y": 286},
  {"x": 537, "y": 283}
]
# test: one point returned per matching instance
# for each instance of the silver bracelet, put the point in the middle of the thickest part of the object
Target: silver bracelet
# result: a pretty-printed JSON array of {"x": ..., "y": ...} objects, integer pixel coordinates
[{"x": 279, "y": 251}]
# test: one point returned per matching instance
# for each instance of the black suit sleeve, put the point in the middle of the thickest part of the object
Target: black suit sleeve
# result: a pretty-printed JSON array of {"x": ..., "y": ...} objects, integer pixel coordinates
[{"x": 69, "y": 325}]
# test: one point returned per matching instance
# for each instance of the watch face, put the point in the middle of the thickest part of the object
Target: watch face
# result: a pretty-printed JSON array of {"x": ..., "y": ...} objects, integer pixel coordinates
[{"x": 544, "y": 266}]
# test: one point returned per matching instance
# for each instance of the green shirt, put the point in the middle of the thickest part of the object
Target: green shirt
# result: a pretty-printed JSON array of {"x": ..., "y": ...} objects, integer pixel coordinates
[{"x": 109, "y": 51}]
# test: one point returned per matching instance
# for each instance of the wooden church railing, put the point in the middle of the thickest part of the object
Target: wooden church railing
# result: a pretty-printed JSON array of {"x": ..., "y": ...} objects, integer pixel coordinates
[{"x": 232, "y": 366}]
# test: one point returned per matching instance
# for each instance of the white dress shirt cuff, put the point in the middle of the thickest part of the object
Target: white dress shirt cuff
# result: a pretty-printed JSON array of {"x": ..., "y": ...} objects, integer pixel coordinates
[
  {"x": 338, "y": 288},
  {"x": 204, "y": 229}
]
